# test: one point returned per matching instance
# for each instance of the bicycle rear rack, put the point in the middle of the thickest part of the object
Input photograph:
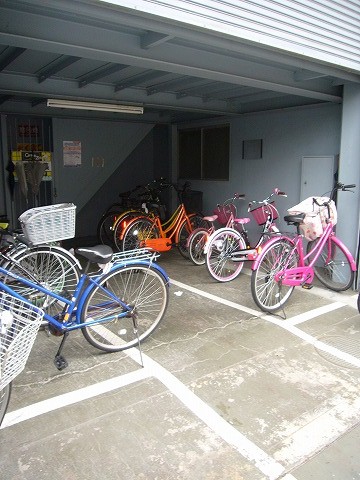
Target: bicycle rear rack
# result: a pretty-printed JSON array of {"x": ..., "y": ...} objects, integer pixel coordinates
[{"x": 137, "y": 254}]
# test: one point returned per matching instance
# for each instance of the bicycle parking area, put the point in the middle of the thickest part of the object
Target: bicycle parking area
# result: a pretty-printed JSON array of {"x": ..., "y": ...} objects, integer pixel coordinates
[{"x": 233, "y": 393}]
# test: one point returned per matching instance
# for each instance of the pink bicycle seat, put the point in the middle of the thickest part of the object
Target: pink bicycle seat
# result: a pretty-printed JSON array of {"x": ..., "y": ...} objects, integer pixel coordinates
[{"x": 242, "y": 221}]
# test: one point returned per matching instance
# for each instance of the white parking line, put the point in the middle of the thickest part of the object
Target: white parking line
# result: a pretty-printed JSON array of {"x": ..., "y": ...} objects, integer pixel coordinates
[
  {"x": 316, "y": 312},
  {"x": 285, "y": 324},
  {"x": 70, "y": 398},
  {"x": 265, "y": 463}
]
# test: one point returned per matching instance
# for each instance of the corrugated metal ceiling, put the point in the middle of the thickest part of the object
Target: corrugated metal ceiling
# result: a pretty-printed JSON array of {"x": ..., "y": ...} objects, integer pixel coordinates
[{"x": 89, "y": 50}]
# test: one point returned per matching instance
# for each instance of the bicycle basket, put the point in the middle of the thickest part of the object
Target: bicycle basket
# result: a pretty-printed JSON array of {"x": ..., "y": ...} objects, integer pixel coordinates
[
  {"x": 316, "y": 217},
  {"x": 224, "y": 212},
  {"x": 49, "y": 224},
  {"x": 261, "y": 213},
  {"x": 19, "y": 325}
]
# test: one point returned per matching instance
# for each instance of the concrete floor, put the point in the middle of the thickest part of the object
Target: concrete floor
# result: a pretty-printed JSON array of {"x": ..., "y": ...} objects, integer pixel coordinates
[{"x": 226, "y": 392}]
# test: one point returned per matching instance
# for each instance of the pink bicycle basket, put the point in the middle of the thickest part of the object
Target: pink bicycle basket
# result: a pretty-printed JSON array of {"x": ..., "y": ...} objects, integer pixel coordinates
[
  {"x": 224, "y": 212},
  {"x": 261, "y": 213}
]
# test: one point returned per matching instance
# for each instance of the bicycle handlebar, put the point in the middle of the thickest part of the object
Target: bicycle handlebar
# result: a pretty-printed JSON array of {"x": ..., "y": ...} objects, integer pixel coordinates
[
  {"x": 344, "y": 188},
  {"x": 337, "y": 186},
  {"x": 276, "y": 191}
]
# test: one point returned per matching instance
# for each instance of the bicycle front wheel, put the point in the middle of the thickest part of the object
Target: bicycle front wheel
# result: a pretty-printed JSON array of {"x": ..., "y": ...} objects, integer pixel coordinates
[
  {"x": 52, "y": 267},
  {"x": 140, "y": 287},
  {"x": 268, "y": 294},
  {"x": 333, "y": 267},
  {"x": 196, "y": 221},
  {"x": 219, "y": 260},
  {"x": 197, "y": 242},
  {"x": 4, "y": 400}
]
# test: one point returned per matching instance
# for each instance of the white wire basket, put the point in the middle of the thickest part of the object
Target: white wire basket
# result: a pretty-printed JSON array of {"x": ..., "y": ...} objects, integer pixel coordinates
[
  {"x": 49, "y": 224},
  {"x": 19, "y": 325}
]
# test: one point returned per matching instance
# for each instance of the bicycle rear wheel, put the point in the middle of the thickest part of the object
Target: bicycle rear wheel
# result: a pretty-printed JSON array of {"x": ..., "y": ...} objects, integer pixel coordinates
[
  {"x": 197, "y": 242},
  {"x": 52, "y": 267},
  {"x": 333, "y": 267},
  {"x": 219, "y": 261},
  {"x": 5, "y": 394},
  {"x": 121, "y": 224},
  {"x": 137, "y": 232},
  {"x": 105, "y": 230},
  {"x": 142, "y": 288},
  {"x": 268, "y": 294}
]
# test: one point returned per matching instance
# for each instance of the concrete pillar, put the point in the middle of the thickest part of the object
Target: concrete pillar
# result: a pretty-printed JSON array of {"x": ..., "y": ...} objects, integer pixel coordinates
[
  {"x": 349, "y": 170},
  {"x": 5, "y": 197}
]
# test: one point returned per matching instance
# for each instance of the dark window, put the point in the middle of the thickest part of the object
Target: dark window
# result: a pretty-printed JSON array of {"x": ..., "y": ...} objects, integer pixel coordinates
[{"x": 204, "y": 153}]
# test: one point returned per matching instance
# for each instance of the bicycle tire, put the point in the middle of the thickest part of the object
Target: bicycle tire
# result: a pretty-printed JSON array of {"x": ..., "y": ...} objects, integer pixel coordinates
[
  {"x": 140, "y": 286},
  {"x": 268, "y": 294},
  {"x": 219, "y": 262},
  {"x": 105, "y": 232},
  {"x": 5, "y": 394},
  {"x": 196, "y": 244},
  {"x": 121, "y": 224},
  {"x": 50, "y": 266},
  {"x": 333, "y": 267},
  {"x": 196, "y": 221},
  {"x": 137, "y": 232}
]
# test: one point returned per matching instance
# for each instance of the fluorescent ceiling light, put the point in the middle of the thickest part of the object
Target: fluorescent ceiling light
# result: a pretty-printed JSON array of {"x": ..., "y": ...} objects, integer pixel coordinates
[{"x": 102, "y": 107}]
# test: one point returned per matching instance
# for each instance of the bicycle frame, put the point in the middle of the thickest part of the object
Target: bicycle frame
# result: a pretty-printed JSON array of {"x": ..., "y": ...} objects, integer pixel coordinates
[
  {"x": 171, "y": 228},
  {"x": 250, "y": 253},
  {"x": 304, "y": 273},
  {"x": 71, "y": 314},
  {"x": 168, "y": 231}
]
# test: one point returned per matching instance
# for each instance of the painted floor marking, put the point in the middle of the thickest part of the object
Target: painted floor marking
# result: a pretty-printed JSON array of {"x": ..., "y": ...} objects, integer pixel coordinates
[
  {"x": 316, "y": 312},
  {"x": 266, "y": 464},
  {"x": 70, "y": 398},
  {"x": 344, "y": 297},
  {"x": 262, "y": 461},
  {"x": 285, "y": 324}
]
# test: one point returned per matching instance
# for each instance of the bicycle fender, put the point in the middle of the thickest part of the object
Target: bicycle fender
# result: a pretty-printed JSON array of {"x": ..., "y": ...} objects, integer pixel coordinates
[
  {"x": 265, "y": 246},
  {"x": 71, "y": 253},
  {"x": 120, "y": 267},
  {"x": 347, "y": 252},
  {"x": 131, "y": 222},
  {"x": 199, "y": 229},
  {"x": 219, "y": 230},
  {"x": 128, "y": 263}
]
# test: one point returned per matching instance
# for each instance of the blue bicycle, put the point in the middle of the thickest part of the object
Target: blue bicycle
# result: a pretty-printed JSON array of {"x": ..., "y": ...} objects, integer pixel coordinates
[{"x": 116, "y": 307}]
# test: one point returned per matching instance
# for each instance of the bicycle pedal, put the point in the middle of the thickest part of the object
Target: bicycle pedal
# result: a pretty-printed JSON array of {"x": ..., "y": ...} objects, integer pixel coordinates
[
  {"x": 60, "y": 362},
  {"x": 307, "y": 286}
]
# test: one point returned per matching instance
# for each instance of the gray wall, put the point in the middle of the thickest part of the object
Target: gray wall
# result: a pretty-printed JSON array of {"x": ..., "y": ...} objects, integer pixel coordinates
[
  {"x": 112, "y": 141},
  {"x": 287, "y": 137}
]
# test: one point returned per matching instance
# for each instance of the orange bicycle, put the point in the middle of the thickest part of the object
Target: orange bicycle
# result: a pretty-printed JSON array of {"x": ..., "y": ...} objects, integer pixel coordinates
[
  {"x": 150, "y": 232},
  {"x": 149, "y": 204}
]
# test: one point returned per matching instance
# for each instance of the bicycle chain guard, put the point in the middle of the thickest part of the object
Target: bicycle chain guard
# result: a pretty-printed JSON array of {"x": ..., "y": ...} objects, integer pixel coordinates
[
  {"x": 294, "y": 277},
  {"x": 158, "y": 244}
]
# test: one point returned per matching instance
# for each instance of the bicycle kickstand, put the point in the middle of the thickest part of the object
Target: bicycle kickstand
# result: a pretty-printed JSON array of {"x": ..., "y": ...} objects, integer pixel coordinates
[
  {"x": 59, "y": 360},
  {"x": 136, "y": 332}
]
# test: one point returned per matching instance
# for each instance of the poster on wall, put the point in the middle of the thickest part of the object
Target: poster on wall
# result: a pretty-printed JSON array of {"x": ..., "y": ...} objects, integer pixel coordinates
[{"x": 72, "y": 153}]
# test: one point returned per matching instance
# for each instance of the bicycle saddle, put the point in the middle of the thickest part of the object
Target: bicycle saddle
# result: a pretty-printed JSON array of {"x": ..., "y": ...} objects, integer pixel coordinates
[
  {"x": 294, "y": 219},
  {"x": 97, "y": 254}
]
